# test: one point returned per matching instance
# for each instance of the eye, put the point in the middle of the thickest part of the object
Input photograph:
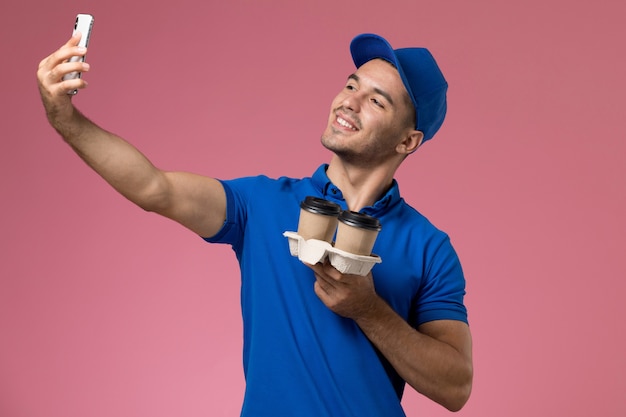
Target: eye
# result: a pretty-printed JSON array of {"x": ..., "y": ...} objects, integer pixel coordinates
[
  {"x": 350, "y": 87},
  {"x": 378, "y": 103}
]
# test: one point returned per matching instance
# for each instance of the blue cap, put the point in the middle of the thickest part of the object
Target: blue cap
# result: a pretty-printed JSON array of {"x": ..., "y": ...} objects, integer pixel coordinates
[{"x": 419, "y": 72}]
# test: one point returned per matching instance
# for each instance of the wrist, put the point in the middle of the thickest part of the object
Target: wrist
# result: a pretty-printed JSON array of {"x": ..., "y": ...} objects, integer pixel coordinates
[
  {"x": 374, "y": 312},
  {"x": 67, "y": 121}
]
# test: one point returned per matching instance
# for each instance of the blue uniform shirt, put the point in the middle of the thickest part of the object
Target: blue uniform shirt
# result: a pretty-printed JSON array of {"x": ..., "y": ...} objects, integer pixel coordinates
[{"x": 300, "y": 358}]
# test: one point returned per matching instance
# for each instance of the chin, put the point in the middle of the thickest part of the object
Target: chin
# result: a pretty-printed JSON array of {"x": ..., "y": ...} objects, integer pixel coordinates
[
  {"x": 327, "y": 140},
  {"x": 332, "y": 140},
  {"x": 333, "y": 146}
]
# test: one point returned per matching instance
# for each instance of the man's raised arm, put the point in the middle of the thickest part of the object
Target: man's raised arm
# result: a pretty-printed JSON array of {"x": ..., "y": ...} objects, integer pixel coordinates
[{"x": 197, "y": 202}]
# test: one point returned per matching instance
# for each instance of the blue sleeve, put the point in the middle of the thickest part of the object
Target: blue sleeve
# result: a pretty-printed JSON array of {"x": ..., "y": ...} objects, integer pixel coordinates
[
  {"x": 232, "y": 229},
  {"x": 442, "y": 292}
]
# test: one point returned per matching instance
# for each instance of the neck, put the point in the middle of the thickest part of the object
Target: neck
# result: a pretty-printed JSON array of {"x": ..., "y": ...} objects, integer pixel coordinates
[{"x": 360, "y": 186}]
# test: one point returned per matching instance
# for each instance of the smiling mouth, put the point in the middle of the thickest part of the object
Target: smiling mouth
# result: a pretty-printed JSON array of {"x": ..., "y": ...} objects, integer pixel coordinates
[{"x": 343, "y": 122}]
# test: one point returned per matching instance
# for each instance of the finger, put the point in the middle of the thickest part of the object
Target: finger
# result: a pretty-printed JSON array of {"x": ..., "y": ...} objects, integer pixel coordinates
[
  {"x": 53, "y": 80},
  {"x": 323, "y": 282},
  {"x": 319, "y": 269},
  {"x": 73, "y": 40},
  {"x": 320, "y": 290},
  {"x": 72, "y": 86},
  {"x": 58, "y": 72},
  {"x": 76, "y": 36},
  {"x": 331, "y": 271},
  {"x": 64, "y": 53}
]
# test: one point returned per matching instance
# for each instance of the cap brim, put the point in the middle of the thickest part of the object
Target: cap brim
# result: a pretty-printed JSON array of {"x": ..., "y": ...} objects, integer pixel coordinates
[{"x": 368, "y": 46}]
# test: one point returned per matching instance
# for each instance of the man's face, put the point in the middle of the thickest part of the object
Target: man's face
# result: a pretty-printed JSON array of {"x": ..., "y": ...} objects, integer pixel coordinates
[{"x": 370, "y": 116}]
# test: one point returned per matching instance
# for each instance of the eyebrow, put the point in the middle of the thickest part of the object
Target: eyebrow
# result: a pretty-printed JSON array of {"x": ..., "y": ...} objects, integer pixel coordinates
[{"x": 377, "y": 90}]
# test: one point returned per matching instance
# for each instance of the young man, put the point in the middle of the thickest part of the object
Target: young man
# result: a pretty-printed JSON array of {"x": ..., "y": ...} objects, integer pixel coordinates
[{"x": 318, "y": 342}]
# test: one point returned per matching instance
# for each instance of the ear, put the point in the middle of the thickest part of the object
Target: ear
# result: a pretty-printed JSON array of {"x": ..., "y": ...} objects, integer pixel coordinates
[{"x": 411, "y": 142}]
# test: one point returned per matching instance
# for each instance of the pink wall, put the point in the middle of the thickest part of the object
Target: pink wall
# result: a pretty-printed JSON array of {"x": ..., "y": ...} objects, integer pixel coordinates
[{"x": 109, "y": 311}]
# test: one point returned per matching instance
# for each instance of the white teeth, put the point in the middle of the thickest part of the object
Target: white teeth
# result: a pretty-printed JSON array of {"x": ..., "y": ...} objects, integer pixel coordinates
[{"x": 344, "y": 123}]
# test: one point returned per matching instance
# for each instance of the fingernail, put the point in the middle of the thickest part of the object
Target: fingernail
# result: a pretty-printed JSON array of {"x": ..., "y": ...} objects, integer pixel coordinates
[{"x": 81, "y": 49}]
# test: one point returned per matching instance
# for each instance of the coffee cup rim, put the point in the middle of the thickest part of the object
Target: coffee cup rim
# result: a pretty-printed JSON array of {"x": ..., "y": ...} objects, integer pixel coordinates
[
  {"x": 361, "y": 220},
  {"x": 320, "y": 206}
]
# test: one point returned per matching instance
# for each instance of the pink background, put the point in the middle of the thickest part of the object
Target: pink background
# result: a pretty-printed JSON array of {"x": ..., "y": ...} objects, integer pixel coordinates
[{"x": 108, "y": 311}]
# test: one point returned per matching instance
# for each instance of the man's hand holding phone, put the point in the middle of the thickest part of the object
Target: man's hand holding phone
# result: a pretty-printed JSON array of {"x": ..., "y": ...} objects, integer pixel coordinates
[
  {"x": 59, "y": 74},
  {"x": 56, "y": 91}
]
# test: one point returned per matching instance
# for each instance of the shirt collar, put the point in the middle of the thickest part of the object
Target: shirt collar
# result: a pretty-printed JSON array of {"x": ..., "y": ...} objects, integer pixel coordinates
[{"x": 331, "y": 192}]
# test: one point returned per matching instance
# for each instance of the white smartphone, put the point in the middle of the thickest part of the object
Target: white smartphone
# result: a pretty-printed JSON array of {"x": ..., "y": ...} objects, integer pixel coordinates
[{"x": 83, "y": 24}]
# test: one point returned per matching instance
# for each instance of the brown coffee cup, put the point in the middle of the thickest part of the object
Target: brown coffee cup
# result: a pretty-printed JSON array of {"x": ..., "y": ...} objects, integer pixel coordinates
[
  {"x": 318, "y": 219},
  {"x": 357, "y": 233}
]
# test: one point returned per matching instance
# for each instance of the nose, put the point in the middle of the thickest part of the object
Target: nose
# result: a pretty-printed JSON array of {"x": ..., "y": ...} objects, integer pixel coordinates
[{"x": 353, "y": 101}]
